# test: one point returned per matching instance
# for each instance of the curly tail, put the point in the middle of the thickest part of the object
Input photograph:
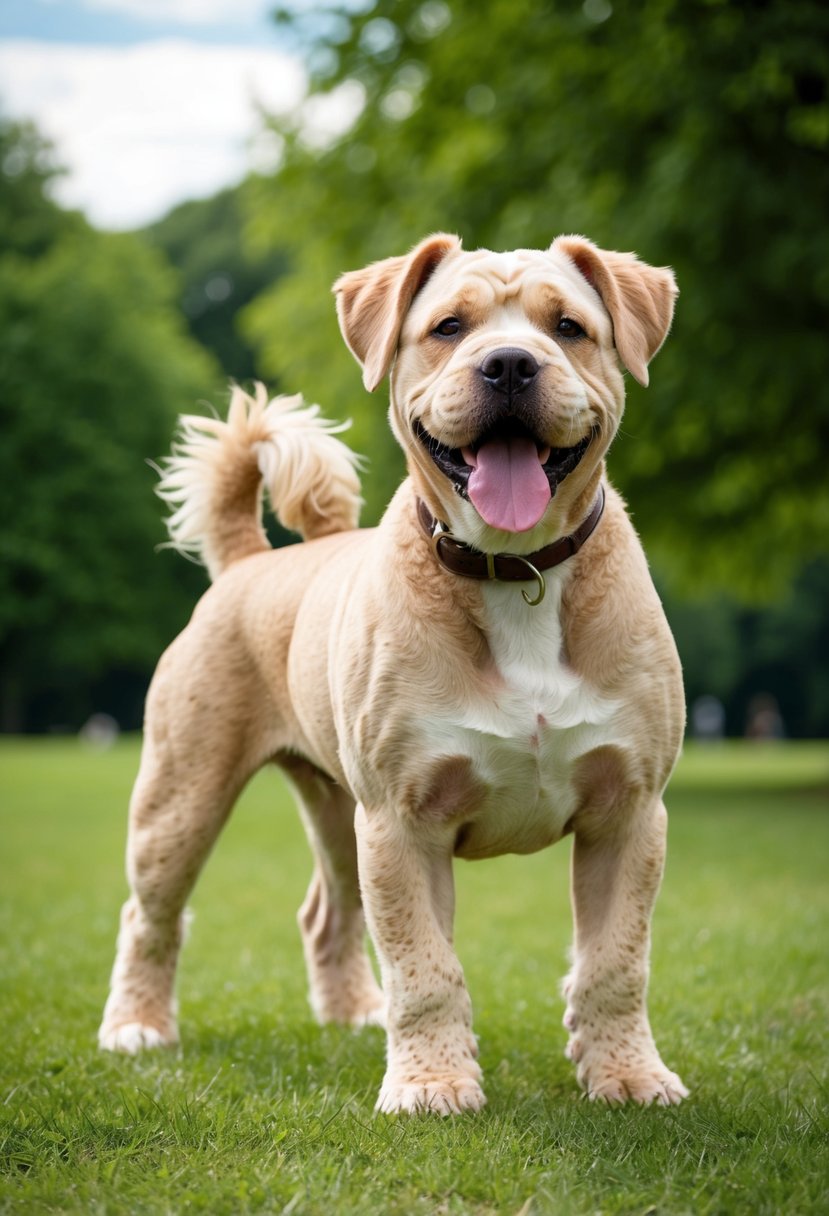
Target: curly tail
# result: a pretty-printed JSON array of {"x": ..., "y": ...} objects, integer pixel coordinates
[{"x": 214, "y": 479}]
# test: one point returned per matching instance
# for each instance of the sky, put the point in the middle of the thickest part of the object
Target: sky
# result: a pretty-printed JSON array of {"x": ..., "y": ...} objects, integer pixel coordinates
[{"x": 148, "y": 102}]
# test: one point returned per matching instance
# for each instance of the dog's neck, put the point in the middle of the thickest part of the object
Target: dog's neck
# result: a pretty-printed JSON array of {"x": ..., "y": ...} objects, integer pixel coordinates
[{"x": 467, "y": 562}]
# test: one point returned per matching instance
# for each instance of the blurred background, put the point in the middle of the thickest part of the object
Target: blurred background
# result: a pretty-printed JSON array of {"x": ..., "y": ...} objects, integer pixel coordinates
[{"x": 182, "y": 180}]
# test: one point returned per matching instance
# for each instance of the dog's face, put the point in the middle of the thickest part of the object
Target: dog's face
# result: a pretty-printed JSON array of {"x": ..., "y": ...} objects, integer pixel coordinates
[{"x": 506, "y": 386}]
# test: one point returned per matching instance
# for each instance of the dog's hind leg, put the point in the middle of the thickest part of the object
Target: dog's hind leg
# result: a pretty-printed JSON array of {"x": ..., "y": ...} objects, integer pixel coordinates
[
  {"x": 342, "y": 987},
  {"x": 197, "y": 756}
]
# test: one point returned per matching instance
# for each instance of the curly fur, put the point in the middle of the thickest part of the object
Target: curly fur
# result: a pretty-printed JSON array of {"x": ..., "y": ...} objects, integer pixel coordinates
[{"x": 214, "y": 480}]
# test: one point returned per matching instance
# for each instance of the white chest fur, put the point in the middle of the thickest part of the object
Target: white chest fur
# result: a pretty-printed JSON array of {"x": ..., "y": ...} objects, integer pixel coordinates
[{"x": 524, "y": 739}]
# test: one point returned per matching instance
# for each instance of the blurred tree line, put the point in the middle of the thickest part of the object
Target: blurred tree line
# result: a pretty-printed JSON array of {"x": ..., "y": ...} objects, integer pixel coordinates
[
  {"x": 695, "y": 132},
  {"x": 95, "y": 365}
]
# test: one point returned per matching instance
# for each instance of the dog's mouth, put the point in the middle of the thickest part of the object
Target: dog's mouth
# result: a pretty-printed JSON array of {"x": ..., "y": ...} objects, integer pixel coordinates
[{"x": 508, "y": 473}]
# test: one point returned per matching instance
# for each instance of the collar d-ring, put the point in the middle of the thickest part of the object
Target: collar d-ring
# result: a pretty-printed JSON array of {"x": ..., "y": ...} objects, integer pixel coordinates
[{"x": 532, "y": 600}]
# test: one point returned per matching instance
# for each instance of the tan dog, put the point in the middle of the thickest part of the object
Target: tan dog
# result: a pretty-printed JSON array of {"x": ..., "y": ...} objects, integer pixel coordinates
[{"x": 428, "y": 695}]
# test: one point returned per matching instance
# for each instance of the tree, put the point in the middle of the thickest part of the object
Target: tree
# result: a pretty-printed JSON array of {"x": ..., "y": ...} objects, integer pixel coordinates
[
  {"x": 94, "y": 367},
  {"x": 29, "y": 220},
  {"x": 219, "y": 273},
  {"x": 695, "y": 131}
]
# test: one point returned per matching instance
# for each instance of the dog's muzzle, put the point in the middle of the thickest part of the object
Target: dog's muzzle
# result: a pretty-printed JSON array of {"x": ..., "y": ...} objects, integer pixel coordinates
[{"x": 508, "y": 473}]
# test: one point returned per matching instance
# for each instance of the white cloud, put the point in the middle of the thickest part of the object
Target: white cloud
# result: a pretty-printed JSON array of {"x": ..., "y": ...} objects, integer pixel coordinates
[
  {"x": 142, "y": 127},
  {"x": 187, "y": 12}
]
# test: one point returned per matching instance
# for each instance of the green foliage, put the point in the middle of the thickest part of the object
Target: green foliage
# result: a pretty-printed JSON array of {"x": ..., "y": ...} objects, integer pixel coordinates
[
  {"x": 29, "y": 220},
  {"x": 94, "y": 368},
  {"x": 219, "y": 274},
  {"x": 263, "y": 1110},
  {"x": 696, "y": 133}
]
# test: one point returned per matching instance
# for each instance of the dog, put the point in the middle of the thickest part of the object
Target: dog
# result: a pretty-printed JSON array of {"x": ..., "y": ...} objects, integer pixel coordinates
[{"x": 487, "y": 671}]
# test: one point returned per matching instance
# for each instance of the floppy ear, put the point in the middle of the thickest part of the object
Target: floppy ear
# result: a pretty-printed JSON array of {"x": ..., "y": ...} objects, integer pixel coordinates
[
  {"x": 372, "y": 303},
  {"x": 639, "y": 298}
]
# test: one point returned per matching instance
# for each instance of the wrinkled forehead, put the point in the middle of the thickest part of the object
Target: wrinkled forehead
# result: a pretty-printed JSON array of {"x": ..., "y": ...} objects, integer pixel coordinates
[{"x": 526, "y": 278}]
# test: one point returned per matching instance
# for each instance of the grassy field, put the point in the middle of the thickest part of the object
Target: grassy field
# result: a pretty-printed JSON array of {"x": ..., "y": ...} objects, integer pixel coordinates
[{"x": 262, "y": 1111}]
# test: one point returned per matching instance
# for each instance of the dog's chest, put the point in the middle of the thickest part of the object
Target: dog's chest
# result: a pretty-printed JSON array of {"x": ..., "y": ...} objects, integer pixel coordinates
[{"x": 524, "y": 739}]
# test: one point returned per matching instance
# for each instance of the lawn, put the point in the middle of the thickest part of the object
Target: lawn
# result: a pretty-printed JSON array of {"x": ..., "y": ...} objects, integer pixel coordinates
[{"x": 263, "y": 1111}]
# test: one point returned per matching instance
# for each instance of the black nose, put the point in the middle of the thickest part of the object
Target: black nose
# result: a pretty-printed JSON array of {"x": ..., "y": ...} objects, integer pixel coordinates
[{"x": 509, "y": 369}]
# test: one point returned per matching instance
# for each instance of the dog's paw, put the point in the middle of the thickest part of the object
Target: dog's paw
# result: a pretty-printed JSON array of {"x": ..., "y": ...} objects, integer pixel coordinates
[
  {"x": 645, "y": 1083},
  {"x": 439, "y": 1095},
  {"x": 132, "y": 1037}
]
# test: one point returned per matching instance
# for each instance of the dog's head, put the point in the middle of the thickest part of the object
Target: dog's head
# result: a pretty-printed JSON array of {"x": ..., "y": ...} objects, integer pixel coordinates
[{"x": 506, "y": 385}]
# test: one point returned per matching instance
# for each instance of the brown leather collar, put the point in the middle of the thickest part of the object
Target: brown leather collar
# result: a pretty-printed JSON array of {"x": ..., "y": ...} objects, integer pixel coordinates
[{"x": 461, "y": 559}]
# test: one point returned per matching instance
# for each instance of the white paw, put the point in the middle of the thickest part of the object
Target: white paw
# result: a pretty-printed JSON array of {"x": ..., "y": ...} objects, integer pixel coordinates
[
  {"x": 437, "y": 1095},
  {"x": 132, "y": 1037},
  {"x": 644, "y": 1085}
]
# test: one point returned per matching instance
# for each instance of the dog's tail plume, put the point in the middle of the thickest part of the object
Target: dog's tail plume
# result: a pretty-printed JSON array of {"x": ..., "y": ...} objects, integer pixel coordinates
[{"x": 214, "y": 479}]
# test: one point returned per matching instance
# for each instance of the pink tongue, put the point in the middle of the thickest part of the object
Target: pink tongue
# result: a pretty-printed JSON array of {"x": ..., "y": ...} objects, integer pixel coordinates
[{"x": 507, "y": 485}]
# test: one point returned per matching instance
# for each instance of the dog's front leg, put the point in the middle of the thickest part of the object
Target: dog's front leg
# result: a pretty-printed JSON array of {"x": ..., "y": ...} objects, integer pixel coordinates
[
  {"x": 408, "y": 895},
  {"x": 617, "y": 868}
]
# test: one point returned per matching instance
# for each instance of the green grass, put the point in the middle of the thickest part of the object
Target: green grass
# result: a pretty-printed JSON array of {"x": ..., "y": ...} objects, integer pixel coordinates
[{"x": 262, "y": 1111}]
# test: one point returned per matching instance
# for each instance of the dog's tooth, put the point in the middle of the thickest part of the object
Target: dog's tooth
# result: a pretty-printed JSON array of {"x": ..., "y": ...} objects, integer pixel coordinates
[{"x": 470, "y": 457}]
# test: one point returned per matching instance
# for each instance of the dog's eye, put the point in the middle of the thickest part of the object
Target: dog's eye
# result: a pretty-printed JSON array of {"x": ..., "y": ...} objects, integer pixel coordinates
[
  {"x": 447, "y": 327},
  {"x": 568, "y": 328}
]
